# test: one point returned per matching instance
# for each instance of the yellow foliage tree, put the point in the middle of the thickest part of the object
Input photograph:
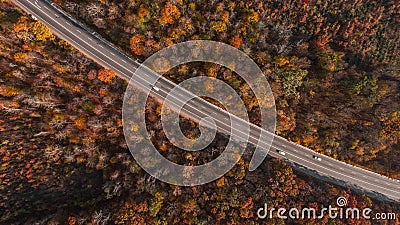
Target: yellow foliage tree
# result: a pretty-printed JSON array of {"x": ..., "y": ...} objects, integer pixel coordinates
[
  {"x": 20, "y": 57},
  {"x": 80, "y": 122},
  {"x": 212, "y": 71},
  {"x": 225, "y": 16},
  {"x": 8, "y": 91},
  {"x": 42, "y": 32},
  {"x": 219, "y": 26},
  {"x": 252, "y": 17},
  {"x": 281, "y": 61},
  {"x": 221, "y": 182}
]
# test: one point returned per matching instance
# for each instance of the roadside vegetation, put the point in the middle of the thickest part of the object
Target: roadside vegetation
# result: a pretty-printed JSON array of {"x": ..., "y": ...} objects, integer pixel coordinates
[{"x": 333, "y": 67}]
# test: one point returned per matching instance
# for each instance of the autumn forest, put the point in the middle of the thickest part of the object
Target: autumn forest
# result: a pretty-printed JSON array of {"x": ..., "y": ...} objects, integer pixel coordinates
[{"x": 333, "y": 67}]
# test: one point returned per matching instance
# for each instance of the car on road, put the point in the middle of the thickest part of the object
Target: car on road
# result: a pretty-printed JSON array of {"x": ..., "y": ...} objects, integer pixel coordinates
[
  {"x": 317, "y": 157},
  {"x": 95, "y": 34},
  {"x": 33, "y": 17},
  {"x": 281, "y": 152},
  {"x": 154, "y": 88}
]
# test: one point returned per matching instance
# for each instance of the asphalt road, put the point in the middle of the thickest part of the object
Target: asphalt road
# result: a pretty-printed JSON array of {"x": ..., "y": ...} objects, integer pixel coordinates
[{"x": 93, "y": 46}]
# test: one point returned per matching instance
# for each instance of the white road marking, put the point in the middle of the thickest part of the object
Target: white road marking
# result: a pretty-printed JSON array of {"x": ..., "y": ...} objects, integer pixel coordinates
[
  {"x": 37, "y": 4},
  {"x": 344, "y": 174},
  {"x": 275, "y": 135},
  {"x": 84, "y": 42}
]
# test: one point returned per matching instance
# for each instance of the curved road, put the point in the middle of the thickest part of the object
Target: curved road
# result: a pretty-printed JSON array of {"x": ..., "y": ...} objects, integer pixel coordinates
[{"x": 93, "y": 46}]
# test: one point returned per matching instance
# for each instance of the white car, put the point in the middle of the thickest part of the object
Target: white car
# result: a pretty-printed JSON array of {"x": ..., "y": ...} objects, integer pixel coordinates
[
  {"x": 33, "y": 17},
  {"x": 281, "y": 152},
  {"x": 317, "y": 158},
  {"x": 154, "y": 88}
]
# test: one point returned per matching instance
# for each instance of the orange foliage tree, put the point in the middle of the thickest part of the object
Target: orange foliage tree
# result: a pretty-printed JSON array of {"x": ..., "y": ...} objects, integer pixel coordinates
[
  {"x": 106, "y": 75},
  {"x": 236, "y": 41},
  {"x": 391, "y": 129},
  {"x": 137, "y": 44},
  {"x": 169, "y": 14}
]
